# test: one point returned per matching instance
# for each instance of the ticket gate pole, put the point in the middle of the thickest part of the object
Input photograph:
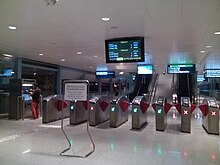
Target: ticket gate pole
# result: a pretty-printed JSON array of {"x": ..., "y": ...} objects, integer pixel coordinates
[{"x": 87, "y": 129}]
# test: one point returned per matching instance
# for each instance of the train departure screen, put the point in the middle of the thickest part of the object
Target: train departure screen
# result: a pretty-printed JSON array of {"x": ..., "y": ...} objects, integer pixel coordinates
[
  {"x": 125, "y": 50},
  {"x": 181, "y": 68}
]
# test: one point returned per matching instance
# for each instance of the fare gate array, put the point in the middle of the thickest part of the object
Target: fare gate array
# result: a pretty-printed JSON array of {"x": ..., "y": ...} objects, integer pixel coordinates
[{"x": 119, "y": 111}]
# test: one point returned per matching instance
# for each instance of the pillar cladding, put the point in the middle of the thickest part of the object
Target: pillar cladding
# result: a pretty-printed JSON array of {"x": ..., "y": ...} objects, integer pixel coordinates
[{"x": 14, "y": 91}]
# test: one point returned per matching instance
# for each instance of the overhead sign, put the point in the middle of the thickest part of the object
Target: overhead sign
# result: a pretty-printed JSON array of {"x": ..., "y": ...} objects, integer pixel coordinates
[
  {"x": 181, "y": 68},
  {"x": 75, "y": 91},
  {"x": 212, "y": 73},
  {"x": 105, "y": 74}
]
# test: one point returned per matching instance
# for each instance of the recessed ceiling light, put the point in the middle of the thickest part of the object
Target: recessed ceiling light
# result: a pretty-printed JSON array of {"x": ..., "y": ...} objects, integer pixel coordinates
[
  {"x": 79, "y": 53},
  {"x": 63, "y": 59},
  {"x": 95, "y": 56},
  {"x": 202, "y": 51},
  {"x": 7, "y": 55},
  {"x": 105, "y": 19},
  {"x": 12, "y": 27},
  {"x": 217, "y": 32},
  {"x": 121, "y": 73},
  {"x": 208, "y": 46},
  {"x": 41, "y": 54}
]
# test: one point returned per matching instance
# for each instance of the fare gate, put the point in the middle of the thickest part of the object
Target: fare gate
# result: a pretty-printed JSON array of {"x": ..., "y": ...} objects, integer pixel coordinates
[
  {"x": 99, "y": 107},
  {"x": 49, "y": 109},
  {"x": 161, "y": 108},
  {"x": 118, "y": 111},
  {"x": 185, "y": 108},
  {"x": 139, "y": 112},
  {"x": 78, "y": 112},
  {"x": 210, "y": 118}
]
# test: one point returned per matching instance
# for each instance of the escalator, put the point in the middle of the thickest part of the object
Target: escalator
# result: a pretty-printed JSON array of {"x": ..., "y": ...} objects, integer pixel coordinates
[
  {"x": 185, "y": 86},
  {"x": 164, "y": 87},
  {"x": 141, "y": 86}
]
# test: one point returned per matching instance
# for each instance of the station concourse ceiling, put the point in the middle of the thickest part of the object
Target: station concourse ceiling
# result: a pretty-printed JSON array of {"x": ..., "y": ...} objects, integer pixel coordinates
[{"x": 175, "y": 31}]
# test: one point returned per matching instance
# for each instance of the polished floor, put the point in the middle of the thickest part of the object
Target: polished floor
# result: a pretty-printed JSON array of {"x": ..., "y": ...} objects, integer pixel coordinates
[{"x": 30, "y": 142}]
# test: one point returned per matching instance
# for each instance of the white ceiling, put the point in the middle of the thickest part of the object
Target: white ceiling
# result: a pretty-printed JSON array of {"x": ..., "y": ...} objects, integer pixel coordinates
[{"x": 175, "y": 31}]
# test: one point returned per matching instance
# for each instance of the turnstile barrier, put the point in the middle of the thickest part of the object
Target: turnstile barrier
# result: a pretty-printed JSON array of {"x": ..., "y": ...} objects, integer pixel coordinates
[
  {"x": 210, "y": 117},
  {"x": 99, "y": 107},
  {"x": 78, "y": 112},
  {"x": 118, "y": 111},
  {"x": 185, "y": 114},
  {"x": 161, "y": 108},
  {"x": 52, "y": 109},
  {"x": 139, "y": 114},
  {"x": 185, "y": 108}
]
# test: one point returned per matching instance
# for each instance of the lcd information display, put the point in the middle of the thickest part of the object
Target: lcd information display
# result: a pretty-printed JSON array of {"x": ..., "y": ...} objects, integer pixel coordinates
[
  {"x": 181, "y": 68},
  {"x": 212, "y": 73},
  {"x": 130, "y": 49},
  {"x": 145, "y": 69}
]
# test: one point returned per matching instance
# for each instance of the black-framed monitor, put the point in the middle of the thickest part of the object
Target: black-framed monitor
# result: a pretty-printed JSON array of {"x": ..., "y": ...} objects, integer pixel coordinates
[
  {"x": 126, "y": 49},
  {"x": 181, "y": 68},
  {"x": 145, "y": 69}
]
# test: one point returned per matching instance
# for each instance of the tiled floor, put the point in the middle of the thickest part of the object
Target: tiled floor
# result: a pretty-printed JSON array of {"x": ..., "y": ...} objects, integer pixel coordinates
[{"x": 31, "y": 142}]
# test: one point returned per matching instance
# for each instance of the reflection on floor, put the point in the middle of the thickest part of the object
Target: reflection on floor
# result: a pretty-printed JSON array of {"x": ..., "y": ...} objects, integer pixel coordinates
[{"x": 31, "y": 142}]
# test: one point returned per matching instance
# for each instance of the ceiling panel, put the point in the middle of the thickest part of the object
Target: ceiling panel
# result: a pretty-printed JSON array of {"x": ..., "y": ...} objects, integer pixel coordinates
[{"x": 174, "y": 30}]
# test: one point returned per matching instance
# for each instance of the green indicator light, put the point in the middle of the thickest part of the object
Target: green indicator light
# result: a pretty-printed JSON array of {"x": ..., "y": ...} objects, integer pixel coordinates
[
  {"x": 113, "y": 109},
  {"x": 71, "y": 107},
  {"x": 135, "y": 110},
  {"x": 159, "y": 111}
]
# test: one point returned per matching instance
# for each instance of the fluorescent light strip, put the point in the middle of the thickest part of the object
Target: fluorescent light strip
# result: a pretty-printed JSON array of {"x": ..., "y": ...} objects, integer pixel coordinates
[
  {"x": 105, "y": 19},
  {"x": 7, "y": 55},
  {"x": 27, "y": 85},
  {"x": 12, "y": 27},
  {"x": 217, "y": 33}
]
